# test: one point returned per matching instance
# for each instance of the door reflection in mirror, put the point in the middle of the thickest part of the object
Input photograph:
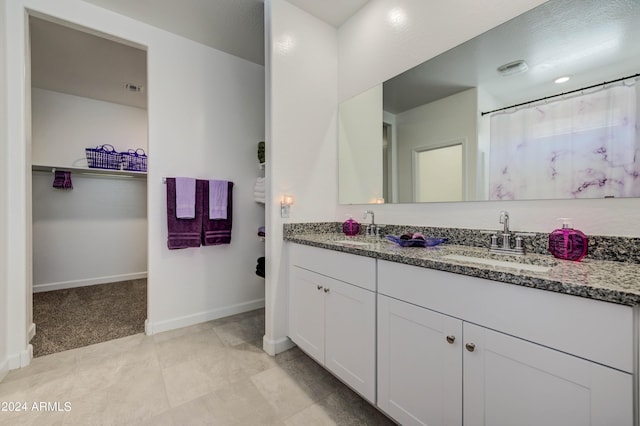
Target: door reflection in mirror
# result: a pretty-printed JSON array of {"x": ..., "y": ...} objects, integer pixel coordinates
[{"x": 438, "y": 173}]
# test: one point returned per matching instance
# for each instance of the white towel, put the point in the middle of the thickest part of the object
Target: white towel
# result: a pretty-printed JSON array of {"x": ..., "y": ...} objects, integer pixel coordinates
[
  {"x": 185, "y": 198},
  {"x": 218, "y": 199}
]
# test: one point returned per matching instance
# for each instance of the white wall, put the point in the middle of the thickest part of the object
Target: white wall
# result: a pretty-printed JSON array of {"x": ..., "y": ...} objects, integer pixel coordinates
[
  {"x": 64, "y": 125},
  {"x": 360, "y": 147},
  {"x": 97, "y": 232},
  {"x": 206, "y": 114},
  {"x": 429, "y": 31},
  {"x": 93, "y": 234},
  {"x": 437, "y": 124},
  {"x": 372, "y": 48},
  {"x": 4, "y": 364},
  {"x": 302, "y": 65}
]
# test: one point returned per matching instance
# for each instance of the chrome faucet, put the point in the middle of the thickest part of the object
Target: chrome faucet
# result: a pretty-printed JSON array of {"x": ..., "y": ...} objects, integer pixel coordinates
[
  {"x": 505, "y": 246},
  {"x": 372, "y": 229},
  {"x": 504, "y": 219}
]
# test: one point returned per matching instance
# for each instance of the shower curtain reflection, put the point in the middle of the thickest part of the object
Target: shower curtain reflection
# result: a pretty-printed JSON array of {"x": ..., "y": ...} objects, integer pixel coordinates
[{"x": 584, "y": 146}]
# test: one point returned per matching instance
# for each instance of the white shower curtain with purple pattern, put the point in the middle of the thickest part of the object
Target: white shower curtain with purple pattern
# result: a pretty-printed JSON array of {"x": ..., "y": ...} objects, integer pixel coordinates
[{"x": 585, "y": 146}]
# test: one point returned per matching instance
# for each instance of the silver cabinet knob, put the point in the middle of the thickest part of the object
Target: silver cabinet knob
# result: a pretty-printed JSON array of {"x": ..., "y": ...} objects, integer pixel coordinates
[
  {"x": 319, "y": 287},
  {"x": 451, "y": 339},
  {"x": 326, "y": 290},
  {"x": 470, "y": 347}
]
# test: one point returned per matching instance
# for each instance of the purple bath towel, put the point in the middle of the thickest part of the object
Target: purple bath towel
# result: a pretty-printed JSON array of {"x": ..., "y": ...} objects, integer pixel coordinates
[
  {"x": 185, "y": 198},
  {"x": 216, "y": 231},
  {"x": 218, "y": 191},
  {"x": 183, "y": 233}
]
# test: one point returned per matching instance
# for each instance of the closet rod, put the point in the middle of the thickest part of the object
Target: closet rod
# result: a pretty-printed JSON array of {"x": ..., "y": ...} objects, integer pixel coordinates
[
  {"x": 562, "y": 94},
  {"x": 108, "y": 173}
]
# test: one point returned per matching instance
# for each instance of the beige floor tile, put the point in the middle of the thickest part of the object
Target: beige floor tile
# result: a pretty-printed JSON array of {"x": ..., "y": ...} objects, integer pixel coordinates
[
  {"x": 241, "y": 331},
  {"x": 35, "y": 418},
  {"x": 213, "y": 373},
  {"x": 185, "y": 382},
  {"x": 137, "y": 398},
  {"x": 313, "y": 378},
  {"x": 314, "y": 415},
  {"x": 163, "y": 419},
  {"x": 179, "y": 332},
  {"x": 238, "y": 403},
  {"x": 345, "y": 407},
  {"x": 44, "y": 364},
  {"x": 285, "y": 395},
  {"x": 189, "y": 346}
]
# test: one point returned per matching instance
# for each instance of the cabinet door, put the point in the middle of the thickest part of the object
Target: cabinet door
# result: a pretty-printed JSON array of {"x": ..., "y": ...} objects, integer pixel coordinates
[
  {"x": 350, "y": 326},
  {"x": 509, "y": 381},
  {"x": 419, "y": 364},
  {"x": 306, "y": 311}
]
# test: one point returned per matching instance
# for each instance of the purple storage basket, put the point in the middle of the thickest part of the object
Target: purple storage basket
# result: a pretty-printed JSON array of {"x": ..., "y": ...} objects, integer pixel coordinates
[
  {"x": 135, "y": 161},
  {"x": 103, "y": 157}
]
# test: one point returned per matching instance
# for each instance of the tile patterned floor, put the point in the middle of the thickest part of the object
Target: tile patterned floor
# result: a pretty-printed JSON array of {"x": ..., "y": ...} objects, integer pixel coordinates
[{"x": 208, "y": 374}]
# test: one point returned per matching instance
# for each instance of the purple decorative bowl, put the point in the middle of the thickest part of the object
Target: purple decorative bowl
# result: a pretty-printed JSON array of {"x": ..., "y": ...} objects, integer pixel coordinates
[{"x": 417, "y": 242}]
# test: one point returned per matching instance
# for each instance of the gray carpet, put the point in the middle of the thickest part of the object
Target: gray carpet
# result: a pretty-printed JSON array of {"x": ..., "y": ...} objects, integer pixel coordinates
[{"x": 71, "y": 318}]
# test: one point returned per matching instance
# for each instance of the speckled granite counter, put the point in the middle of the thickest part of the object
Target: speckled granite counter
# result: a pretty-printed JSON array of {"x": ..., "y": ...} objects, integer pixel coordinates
[{"x": 609, "y": 281}]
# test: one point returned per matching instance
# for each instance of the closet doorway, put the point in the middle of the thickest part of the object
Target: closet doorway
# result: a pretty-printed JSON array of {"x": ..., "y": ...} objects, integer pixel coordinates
[{"x": 89, "y": 225}]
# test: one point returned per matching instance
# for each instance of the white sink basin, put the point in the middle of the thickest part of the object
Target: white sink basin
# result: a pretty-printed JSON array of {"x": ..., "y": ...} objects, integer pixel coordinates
[
  {"x": 500, "y": 263},
  {"x": 352, "y": 243}
]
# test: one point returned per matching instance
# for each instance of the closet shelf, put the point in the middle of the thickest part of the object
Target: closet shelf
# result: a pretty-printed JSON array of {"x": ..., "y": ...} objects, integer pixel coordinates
[{"x": 87, "y": 170}]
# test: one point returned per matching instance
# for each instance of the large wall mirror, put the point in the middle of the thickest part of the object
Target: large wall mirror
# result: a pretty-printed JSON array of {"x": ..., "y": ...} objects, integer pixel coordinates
[{"x": 431, "y": 134}]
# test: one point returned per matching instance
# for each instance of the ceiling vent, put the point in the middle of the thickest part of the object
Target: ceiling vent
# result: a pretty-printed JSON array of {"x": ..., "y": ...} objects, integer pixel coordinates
[
  {"x": 134, "y": 88},
  {"x": 512, "y": 68}
]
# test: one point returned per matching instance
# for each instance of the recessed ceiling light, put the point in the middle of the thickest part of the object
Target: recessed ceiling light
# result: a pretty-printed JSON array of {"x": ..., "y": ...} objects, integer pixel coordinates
[{"x": 560, "y": 80}]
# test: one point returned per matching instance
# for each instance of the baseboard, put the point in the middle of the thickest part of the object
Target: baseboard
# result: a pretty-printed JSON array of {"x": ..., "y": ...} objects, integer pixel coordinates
[
  {"x": 274, "y": 347},
  {"x": 187, "y": 320},
  {"x": 37, "y": 288},
  {"x": 4, "y": 369},
  {"x": 32, "y": 331},
  {"x": 21, "y": 359}
]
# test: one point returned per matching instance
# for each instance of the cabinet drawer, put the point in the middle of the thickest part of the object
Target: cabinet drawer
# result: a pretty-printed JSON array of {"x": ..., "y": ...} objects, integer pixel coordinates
[
  {"x": 350, "y": 268},
  {"x": 595, "y": 330}
]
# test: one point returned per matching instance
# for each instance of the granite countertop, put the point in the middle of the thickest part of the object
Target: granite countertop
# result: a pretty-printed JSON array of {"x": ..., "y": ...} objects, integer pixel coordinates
[{"x": 608, "y": 281}]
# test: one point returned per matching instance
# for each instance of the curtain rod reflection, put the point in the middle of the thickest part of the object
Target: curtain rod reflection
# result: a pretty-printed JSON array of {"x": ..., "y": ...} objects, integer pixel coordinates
[{"x": 561, "y": 94}]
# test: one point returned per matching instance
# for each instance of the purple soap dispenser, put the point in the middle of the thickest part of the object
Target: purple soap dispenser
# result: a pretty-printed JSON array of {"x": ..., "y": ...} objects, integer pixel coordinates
[
  {"x": 568, "y": 243},
  {"x": 350, "y": 227}
]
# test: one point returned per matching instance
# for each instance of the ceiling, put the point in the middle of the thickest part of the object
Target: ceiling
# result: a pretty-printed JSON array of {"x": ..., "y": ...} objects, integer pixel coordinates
[
  {"x": 78, "y": 61},
  {"x": 560, "y": 37},
  {"x": 233, "y": 26},
  {"x": 591, "y": 40},
  {"x": 75, "y": 62}
]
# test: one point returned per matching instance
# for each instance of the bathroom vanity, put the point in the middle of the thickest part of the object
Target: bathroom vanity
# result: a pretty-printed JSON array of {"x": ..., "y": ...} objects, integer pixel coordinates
[{"x": 452, "y": 335}]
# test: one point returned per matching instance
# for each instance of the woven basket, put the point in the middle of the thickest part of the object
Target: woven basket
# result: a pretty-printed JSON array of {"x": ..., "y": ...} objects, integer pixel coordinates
[
  {"x": 103, "y": 157},
  {"x": 135, "y": 161}
]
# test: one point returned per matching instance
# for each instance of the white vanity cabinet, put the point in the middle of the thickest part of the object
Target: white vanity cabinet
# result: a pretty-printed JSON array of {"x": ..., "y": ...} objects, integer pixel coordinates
[
  {"x": 332, "y": 307},
  {"x": 419, "y": 364},
  {"x": 509, "y": 381},
  {"x": 455, "y": 350}
]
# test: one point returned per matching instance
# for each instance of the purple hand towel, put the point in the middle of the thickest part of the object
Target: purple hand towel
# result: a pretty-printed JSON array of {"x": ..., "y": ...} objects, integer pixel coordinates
[
  {"x": 62, "y": 180},
  {"x": 183, "y": 233},
  {"x": 185, "y": 198},
  {"x": 216, "y": 231},
  {"x": 218, "y": 199}
]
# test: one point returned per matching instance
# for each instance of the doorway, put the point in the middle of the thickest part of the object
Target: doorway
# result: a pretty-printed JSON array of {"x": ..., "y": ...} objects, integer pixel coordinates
[
  {"x": 438, "y": 173},
  {"x": 89, "y": 235}
]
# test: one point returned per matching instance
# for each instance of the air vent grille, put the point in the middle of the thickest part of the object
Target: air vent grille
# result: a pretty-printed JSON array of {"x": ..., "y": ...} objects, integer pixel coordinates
[
  {"x": 515, "y": 67},
  {"x": 134, "y": 88}
]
